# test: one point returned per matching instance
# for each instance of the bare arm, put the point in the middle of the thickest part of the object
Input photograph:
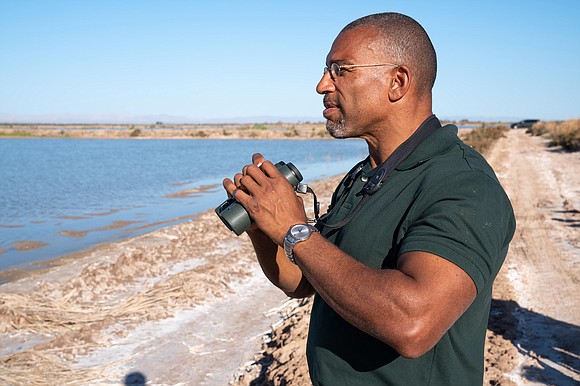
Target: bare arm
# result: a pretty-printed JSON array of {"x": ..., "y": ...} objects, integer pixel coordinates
[
  {"x": 408, "y": 308},
  {"x": 277, "y": 268},
  {"x": 273, "y": 261}
]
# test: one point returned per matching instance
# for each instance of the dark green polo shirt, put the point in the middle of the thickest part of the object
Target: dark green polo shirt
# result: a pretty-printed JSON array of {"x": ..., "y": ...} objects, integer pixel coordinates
[{"x": 443, "y": 199}]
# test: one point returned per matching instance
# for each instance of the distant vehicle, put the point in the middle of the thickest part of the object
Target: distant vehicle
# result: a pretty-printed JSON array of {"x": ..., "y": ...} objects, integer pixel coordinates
[{"x": 525, "y": 124}]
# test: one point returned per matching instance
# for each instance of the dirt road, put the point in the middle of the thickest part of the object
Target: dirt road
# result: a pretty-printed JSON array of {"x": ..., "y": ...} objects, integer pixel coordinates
[{"x": 538, "y": 291}]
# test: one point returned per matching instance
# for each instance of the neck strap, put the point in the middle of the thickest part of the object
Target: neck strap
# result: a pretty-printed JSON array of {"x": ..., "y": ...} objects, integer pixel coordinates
[{"x": 386, "y": 168}]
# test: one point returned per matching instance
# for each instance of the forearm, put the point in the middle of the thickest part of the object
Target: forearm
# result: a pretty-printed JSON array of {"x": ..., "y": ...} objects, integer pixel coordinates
[
  {"x": 272, "y": 203},
  {"x": 277, "y": 268},
  {"x": 406, "y": 310},
  {"x": 352, "y": 289}
]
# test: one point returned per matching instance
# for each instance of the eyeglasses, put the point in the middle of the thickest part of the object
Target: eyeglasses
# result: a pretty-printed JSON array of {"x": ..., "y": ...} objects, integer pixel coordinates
[{"x": 336, "y": 69}]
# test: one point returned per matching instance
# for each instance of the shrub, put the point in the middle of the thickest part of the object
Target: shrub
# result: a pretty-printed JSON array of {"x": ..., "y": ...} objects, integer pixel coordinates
[
  {"x": 567, "y": 135},
  {"x": 292, "y": 132},
  {"x": 539, "y": 128},
  {"x": 560, "y": 133},
  {"x": 200, "y": 134},
  {"x": 482, "y": 138}
]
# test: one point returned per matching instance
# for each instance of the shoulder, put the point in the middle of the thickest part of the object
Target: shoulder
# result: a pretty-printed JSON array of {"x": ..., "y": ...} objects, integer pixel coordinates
[{"x": 462, "y": 213}]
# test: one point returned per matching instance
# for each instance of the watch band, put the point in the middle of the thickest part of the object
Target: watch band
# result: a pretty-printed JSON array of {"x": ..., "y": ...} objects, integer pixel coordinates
[{"x": 288, "y": 250}]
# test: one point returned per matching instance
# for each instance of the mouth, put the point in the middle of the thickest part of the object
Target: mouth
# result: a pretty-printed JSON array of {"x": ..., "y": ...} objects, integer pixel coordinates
[{"x": 330, "y": 108}]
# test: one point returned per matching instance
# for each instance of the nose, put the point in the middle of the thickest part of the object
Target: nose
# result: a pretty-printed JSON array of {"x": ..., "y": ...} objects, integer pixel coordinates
[{"x": 326, "y": 84}]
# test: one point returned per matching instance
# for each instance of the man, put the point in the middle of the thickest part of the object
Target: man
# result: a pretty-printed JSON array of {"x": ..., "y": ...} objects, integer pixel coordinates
[{"x": 403, "y": 281}]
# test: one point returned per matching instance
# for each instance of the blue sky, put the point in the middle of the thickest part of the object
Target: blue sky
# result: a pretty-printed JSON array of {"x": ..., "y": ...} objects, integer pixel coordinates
[{"x": 233, "y": 60}]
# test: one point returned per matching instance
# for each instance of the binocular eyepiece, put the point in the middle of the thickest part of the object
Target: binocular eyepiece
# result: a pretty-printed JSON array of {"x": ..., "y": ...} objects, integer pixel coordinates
[{"x": 235, "y": 216}]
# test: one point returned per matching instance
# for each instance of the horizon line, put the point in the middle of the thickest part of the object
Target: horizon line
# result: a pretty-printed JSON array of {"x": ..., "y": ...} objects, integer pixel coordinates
[{"x": 165, "y": 119}]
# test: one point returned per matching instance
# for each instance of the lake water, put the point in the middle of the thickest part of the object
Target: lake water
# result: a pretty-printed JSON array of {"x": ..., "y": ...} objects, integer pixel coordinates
[{"x": 59, "y": 196}]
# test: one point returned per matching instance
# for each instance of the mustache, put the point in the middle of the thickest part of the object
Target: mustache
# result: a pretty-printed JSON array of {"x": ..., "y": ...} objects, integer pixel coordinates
[{"x": 328, "y": 102}]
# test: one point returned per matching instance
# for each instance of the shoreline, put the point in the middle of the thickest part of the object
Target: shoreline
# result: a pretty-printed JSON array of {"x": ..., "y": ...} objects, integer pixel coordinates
[
  {"x": 97, "y": 229},
  {"x": 19, "y": 271},
  {"x": 280, "y": 130},
  {"x": 69, "y": 227},
  {"x": 307, "y": 130},
  {"x": 98, "y": 314},
  {"x": 40, "y": 243}
]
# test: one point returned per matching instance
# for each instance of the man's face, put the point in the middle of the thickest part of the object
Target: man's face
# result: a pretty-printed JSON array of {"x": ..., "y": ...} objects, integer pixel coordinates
[{"x": 355, "y": 101}]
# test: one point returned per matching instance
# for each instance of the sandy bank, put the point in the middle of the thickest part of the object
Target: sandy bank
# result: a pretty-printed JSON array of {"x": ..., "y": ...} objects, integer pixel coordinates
[
  {"x": 186, "y": 304},
  {"x": 303, "y": 130},
  {"x": 306, "y": 130}
]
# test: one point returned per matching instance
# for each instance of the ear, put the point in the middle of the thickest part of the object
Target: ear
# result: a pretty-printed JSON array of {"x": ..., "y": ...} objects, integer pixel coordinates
[{"x": 400, "y": 83}]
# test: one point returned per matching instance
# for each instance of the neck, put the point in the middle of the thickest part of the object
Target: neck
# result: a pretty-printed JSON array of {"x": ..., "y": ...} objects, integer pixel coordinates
[{"x": 384, "y": 141}]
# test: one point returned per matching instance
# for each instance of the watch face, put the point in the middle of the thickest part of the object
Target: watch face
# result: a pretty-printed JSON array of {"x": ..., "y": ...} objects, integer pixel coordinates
[{"x": 300, "y": 231}]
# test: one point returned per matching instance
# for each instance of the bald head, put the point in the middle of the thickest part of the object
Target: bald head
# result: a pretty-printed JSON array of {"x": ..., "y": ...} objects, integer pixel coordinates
[{"x": 406, "y": 43}]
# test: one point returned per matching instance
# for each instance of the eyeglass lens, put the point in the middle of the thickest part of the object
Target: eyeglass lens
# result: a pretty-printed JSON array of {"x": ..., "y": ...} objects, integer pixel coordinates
[{"x": 334, "y": 70}]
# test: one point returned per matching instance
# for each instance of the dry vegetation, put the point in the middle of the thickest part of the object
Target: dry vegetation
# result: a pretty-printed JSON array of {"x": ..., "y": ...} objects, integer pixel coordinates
[
  {"x": 482, "y": 138},
  {"x": 560, "y": 133},
  {"x": 305, "y": 130}
]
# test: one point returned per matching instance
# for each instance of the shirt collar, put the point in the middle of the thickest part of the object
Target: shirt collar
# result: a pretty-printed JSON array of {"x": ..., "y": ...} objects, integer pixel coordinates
[{"x": 437, "y": 143}]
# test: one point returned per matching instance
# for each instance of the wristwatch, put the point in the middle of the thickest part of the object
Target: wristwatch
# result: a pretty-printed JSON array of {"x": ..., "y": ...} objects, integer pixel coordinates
[{"x": 296, "y": 234}]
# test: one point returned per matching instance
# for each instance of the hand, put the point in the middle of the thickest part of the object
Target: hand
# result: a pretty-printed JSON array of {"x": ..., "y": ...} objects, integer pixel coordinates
[{"x": 268, "y": 198}]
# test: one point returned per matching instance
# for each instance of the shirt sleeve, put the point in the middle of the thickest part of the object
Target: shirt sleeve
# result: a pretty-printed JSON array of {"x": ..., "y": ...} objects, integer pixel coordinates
[{"x": 467, "y": 219}]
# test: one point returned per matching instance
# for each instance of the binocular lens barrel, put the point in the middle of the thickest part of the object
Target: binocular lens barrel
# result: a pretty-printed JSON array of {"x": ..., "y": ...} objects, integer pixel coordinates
[{"x": 235, "y": 216}]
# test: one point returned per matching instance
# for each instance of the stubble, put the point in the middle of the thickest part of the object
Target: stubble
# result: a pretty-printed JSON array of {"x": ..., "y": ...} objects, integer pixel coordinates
[{"x": 336, "y": 129}]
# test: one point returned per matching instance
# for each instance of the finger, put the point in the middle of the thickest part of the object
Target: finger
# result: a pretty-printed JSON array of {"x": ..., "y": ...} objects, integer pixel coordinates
[
  {"x": 237, "y": 179},
  {"x": 229, "y": 186},
  {"x": 232, "y": 186},
  {"x": 239, "y": 193},
  {"x": 238, "y": 184},
  {"x": 270, "y": 169},
  {"x": 254, "y": 172},
  {"x": 248, "y": 183},
  {"x": 258, "y": 159}
]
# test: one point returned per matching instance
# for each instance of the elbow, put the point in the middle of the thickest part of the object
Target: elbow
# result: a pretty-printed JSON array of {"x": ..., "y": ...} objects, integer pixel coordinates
[
  {"x": 413, "y": 341},
  {"x": 303, "y": 290},
  {"x": 297, "y": 295},
  {"x": 413, "y": 350}
]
